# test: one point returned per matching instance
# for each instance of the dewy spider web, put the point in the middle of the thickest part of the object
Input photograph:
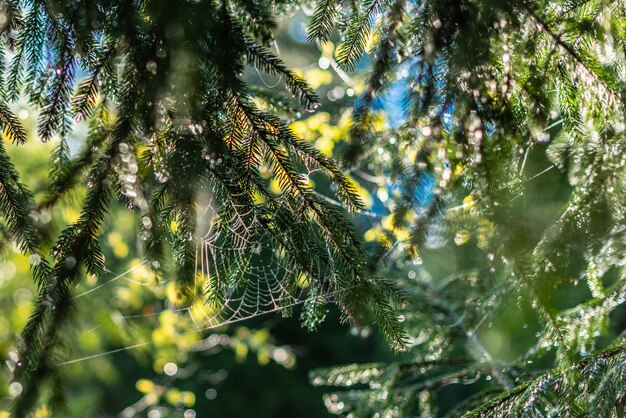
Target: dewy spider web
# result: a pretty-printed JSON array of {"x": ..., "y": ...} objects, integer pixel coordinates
[
  {"x": 243, "y": 269},
  {"x": 241, "y": 273}
]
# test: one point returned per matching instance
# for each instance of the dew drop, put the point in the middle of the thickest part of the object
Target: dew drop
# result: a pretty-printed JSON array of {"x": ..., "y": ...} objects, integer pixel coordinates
[
  {"x": 35, "y": 260},
  {"x": 151, "y": 66},
  {"x": 170, "y": 369},
  {"x": 147, "y": 222},
  {"x": 211, "y": 394},
  {"x": 461, "y": 237},
  {"x": 195, "y": 128},
  {"x": 15, "y": 389},
  {"x": 70, "y": 262}
]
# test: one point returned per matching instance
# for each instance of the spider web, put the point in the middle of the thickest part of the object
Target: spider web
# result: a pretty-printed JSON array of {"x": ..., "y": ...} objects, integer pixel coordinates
[
  {"x": 243, "y": 264},
  {"x": 243, "y": 267},
  {"x": 241, "y": 273}
]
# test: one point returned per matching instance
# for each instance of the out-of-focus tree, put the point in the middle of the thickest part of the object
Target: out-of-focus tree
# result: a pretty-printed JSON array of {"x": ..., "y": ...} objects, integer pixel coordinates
[{"x": 500, "y": 203}]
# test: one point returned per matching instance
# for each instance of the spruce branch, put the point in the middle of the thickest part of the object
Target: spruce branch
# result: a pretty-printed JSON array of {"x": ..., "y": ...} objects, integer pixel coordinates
[
  {"x": 11, "y": 126},
  {"x": 358, "y": 31},
  {"x": 527, "y": 397},
  {"x": 262, "y": 57},
  {"x": 323, "y": 20},
  {"x": 77, "y": 246}
]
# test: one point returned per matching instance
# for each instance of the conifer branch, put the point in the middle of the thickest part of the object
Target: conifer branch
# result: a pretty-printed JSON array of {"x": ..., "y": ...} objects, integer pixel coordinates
[
  {"x": 11, "y": 126},
  {"x": 77, "y": 246},
  {"x": 587, "y": 63},
  {"x": 323, "y": 20},
  {"x": 358, "y": 32},
  {"x": 262, "y": 57}
]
